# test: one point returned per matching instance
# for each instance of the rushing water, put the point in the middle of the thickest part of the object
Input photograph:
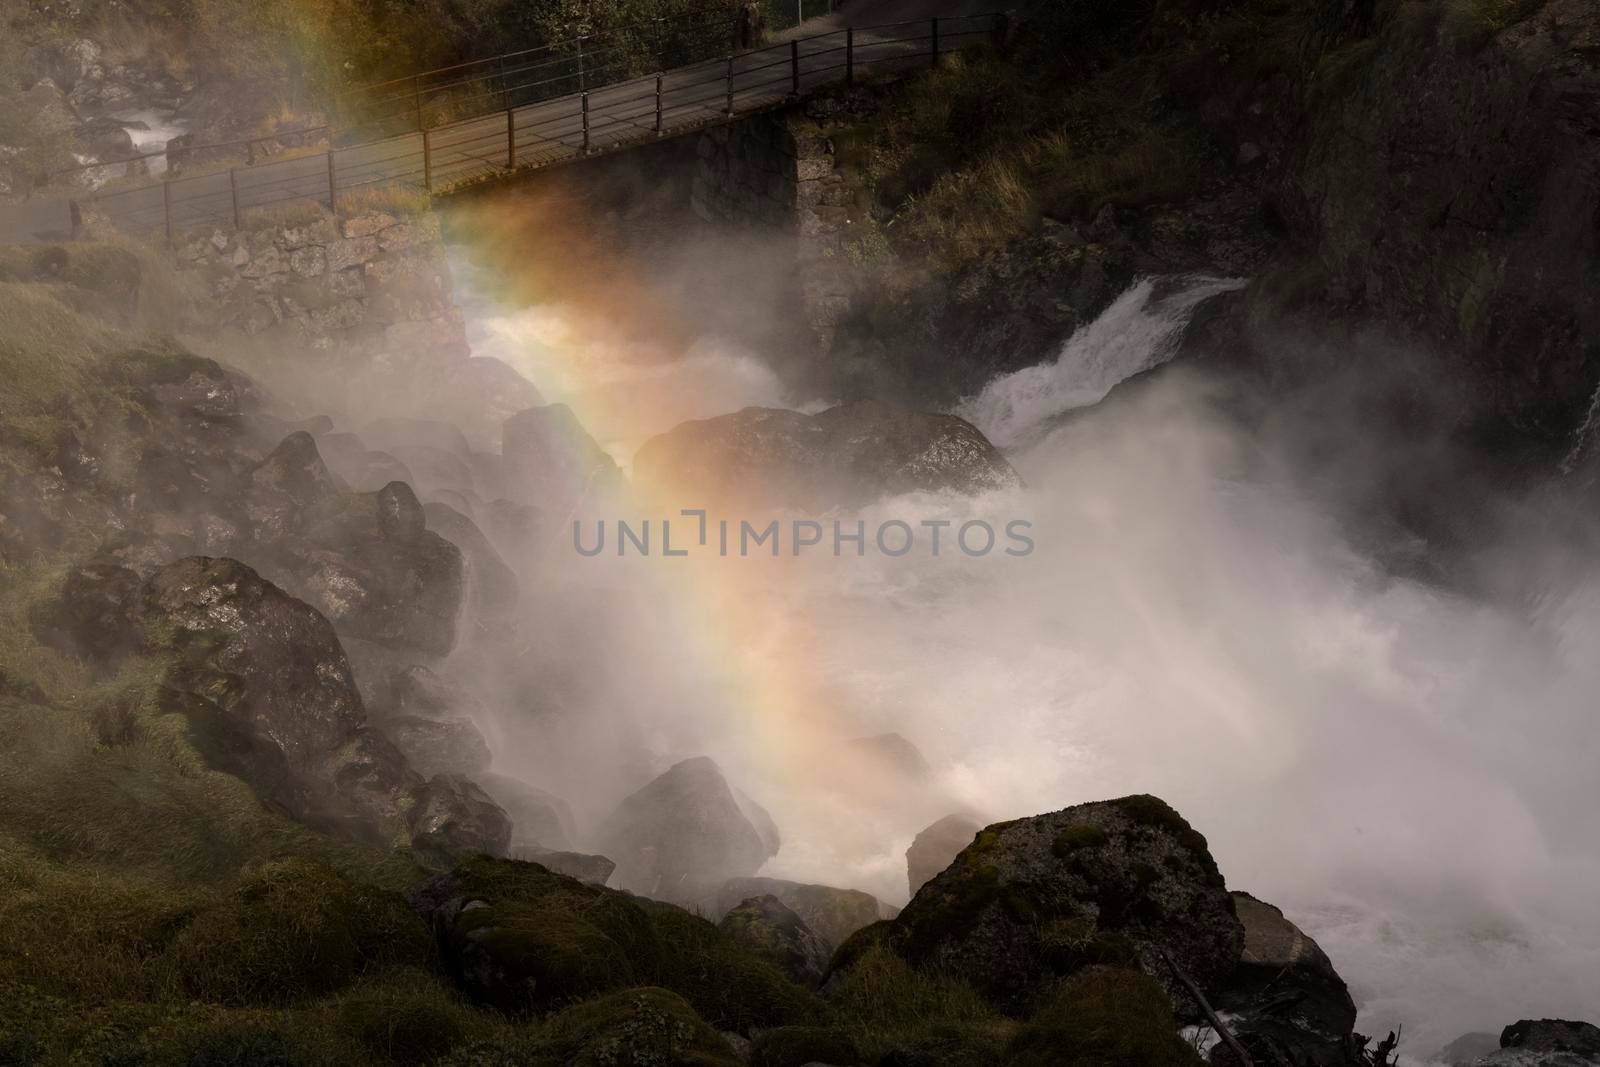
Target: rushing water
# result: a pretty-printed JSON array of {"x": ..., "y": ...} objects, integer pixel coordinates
[{"x": 1408, "y": 773}]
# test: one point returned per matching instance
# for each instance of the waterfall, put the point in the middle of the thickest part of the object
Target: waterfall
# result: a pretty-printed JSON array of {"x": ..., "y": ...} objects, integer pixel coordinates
[{"x": 1140, "y": 330}]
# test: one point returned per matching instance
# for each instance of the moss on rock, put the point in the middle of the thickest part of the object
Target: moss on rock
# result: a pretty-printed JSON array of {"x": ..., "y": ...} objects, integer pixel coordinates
[
  {"x": 1103, "y": 1018},
  {"x": 644, "y": 1027}
]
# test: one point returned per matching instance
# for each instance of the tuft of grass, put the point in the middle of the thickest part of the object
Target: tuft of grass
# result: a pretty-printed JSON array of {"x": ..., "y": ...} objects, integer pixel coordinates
[
  {"x": 886, "y": 1004},
  {"x": 1104, "y": 1017}
]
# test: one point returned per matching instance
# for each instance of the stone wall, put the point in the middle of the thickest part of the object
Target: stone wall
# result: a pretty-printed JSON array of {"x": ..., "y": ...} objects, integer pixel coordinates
[
  {"x": 776, "y": 171},
  {"x": 370, "y": 284},
  {"x": 356, "y": 316}
]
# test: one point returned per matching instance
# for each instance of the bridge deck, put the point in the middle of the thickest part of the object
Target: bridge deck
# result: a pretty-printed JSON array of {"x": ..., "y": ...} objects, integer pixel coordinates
[{"x": 531, "y": 136}]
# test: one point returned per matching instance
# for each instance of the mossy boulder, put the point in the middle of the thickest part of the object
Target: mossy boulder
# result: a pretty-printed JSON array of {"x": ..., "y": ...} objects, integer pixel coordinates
[
  {"x": 1037, "y": 899},
  {"x": 731, "y": 988},
  {"x": 644, "y": 1027},
  {"x": 1103, "y": 1018},
  {"x": 766, "y": 929},
  {"x": 407, "y": 1016},
  {"x": 292, "y": 930},
  {"x": 832, "y": 912},
  {"x": 528, "y": 940},
  {"x": 796, "y": 1046}
]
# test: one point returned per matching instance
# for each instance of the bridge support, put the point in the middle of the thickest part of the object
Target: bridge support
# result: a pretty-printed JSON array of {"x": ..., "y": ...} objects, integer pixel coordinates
[
  {"x": 658, "y": 104},
  {"x": 333, "y": 185},
  {"x": 427, "y": 160},
  {"x": 585, "y": 101},
  {"x": 511, "y": 139},
  {"x": 233, "y": 191},
  {"x": 730, "y": 87}
]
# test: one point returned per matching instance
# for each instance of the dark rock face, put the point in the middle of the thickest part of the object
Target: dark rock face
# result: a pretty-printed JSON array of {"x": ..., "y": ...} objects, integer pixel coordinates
[
  {"x": 1286, "y": 1002},
  {"x": 1467, "y": 1049},
  {"x": 1492, "y": 264},
  {"x": 833, "y": 913},
  {"x": 270, "y": 697},
  {"x": 492, "y": 589},
  {"x": 369, "y": 563},
  {"x": 437, "y": 746},
  {"x": 681, "y": 835},
  {"x": 851, "y": 454},
  {"x": 551, "y": 461},
  {"x": 937, "y": 847},
  {"x": 97, "y": 614},
  {"x": 539, "y": 819},
  {"x": 1117, "y": 881},
  {"x": 453, "y": 815},
  {"x": 767, "y": 929},
  {"x": 269, "y": 690},
  {"x": 1545, "y": 1043}
]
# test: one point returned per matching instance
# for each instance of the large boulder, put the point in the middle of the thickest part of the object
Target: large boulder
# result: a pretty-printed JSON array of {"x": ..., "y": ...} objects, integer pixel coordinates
[
  {"x": 270, "y": 697},
  {"x": 1124, "y": 882},
  {"x": 682, "y": 835},
  {"x": 552, "y": 462},
  {"x": 1285, "y": 1002},
  {"x": 936, "y": 848},
  {"x": 1546, "y": 1043},
  {"x": 765, "y": 928},
  {"x": 851, "y": 454},
  {"x": 833, "y": 913},
  {"x": 369, "y": 562},
  {"x": 453, "y": 745},
  {"x": 365, "y": 560},
  {"x": 492, "y": 589},
  {"x": 525, "y": 939},
  {"x": 451, "y": 814}
]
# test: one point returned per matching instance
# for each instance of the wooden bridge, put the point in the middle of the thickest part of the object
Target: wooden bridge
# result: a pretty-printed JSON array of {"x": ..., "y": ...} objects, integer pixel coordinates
[{"x": 523, "y": 111}]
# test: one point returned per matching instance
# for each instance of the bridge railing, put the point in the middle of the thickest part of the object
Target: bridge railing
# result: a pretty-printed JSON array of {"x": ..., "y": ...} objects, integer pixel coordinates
[{"x": 541, "y": 132}]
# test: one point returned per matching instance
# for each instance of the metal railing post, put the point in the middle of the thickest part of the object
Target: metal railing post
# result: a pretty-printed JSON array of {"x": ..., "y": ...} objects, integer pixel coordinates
[
  {"x": 333, "y": 186},
  {"x": 584, "y": 99},
  {"x": 166, "y": 207},
  {"x": 416, "y": 98},
  {"x": 427, "y": 160},
  {"x": 730, "y": 86},
  {"x": 794, "y": 67},
  {"x": 74, "y": 219},
  {"x": 935, "y": 21},
  {"x": 233, "y": 190},
  {"x": 511, "y": 139},
  {"x": 658, "y": 104},
  {"x": 850, "y": 55}
]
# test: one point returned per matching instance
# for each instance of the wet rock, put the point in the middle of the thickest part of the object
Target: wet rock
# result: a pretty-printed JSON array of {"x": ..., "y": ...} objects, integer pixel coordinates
[
  {"x": 270, "y": 697},
  {"x": 681, "y": 835},
  {"x": 892, "y": 754},
  {"x": 492, "y": 587},
  {"x": 851, "y": 454},
  {"x": 1545, "y": 1043},
  {"x": 417, "y": 690},
  {"x": 539, "y": 819},
  {"x": 1035, "y": 899},
  {"x": 762, "y": 820},
  {"x": 369, "y": 563},
  {"x": 936, "y": 848},
  {"x": 368, "y": 471},
  {"x": 833, "y": 913},
  {"x": 452, "y": 815},
  {"x": 1286, "y": 1003},
  {"x": 766, "y": 928},
  {"x": 1467, "y": 1049},
  {"x": 437, "y": 746},
  {"x": 551, "y": 461},
  {"x": 595, "y": 870},
  {"x": 97, "y": 615},
  {"x": 289, "y": 481}
]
